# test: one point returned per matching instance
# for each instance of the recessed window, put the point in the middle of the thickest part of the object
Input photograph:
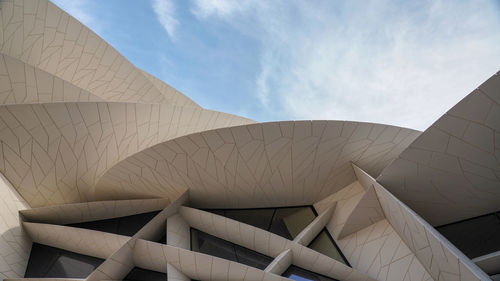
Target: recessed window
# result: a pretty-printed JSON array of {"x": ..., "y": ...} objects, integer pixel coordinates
[
  {"x": 50, "y": 262},
  {"x": 139, "y": 274},
  {"x": 300, "y": 274},
  {"x": 287, "y": 222},
  {"x": 127, "y": 226},
  {"x": 475, "y": 237},
  {"x": 325, "y": 244},
  {"x": 205, "y": 243}
]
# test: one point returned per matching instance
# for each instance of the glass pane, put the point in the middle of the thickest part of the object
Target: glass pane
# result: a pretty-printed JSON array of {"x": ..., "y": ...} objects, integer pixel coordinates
[
  {"x": 139, "y": 274},
  {"x": 205, "y": 243},
  {"x": 289, "y": 222},
  {"x": 474, "y": 237},
  {"x": 46, "y": 261},
  {"x": 324, "y": 244},
  {"x": 211, "y": 245},
  {"x": 286, "y": 222},
  {"x": 128, "y": 225},
  {"x": 252, "y": 258},
  {"x": 260, "y": 218},
  {"x": 300, "y": 274}
]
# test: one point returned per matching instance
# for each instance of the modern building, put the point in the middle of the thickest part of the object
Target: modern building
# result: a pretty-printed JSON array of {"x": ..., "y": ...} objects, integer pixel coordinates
[{"x": 108, "y": 173}]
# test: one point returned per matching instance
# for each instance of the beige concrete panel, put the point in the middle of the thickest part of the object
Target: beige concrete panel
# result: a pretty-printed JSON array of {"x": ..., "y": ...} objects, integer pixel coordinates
[
  {"x": 452, "y": 170},
  {"x": 42, "y": 35},
  {"x": 268, "y": 243},
  {"x": 155, "y": 256},
  {"x": 489, "y": 263},
  {"x": 262, "y": 165},
  {"x": 178, "y": 232},
  {"x": 281, "y": 263},
  {"x": 352, "y": 189},
  {"x": 92, "y": 211},
  {"x": 157, "y": 226},
  {"x": 117, "y": 266},
  {"x": 14, "y": 243},
  {"x": 41, "y": 279},
  {"x": 367, "y": 212},
  {"x": 21, "y": 83},
  {"x": 121, "y": 262},
  {"x": 378, "y": 251},
  {"x": 346, "y": 201},
  {"x": 438, "y": 256},
  {"x": 313, "y": 261},
  {"x": 175, "y": 275},
  {"x": 171, "y": 95},
  {"x": 149, "y": 255},
  {"x": 236, "y": 232},
  {"x": 307, "y": 234},
  {"x": 79, "y": 240},
  {"x": 55, "y": 153}
]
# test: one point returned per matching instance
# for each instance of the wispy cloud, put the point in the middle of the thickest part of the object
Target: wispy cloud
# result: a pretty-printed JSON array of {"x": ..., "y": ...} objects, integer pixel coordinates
[
  {"x": 165, "y": 11},
  {"x": 389, "y": 62},
  {"x": 81, "y": 10}
]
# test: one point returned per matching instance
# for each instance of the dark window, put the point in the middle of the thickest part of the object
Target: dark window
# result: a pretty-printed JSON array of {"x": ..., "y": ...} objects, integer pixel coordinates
[
  {"x": 162, "y": 239},
  {"x": 474, "y": 237},
  {"x": 287, "y": 222},
  {"x": 128, "y": 225},
  {"x": 205, "y": 243},
  {"x": 300, "y": 274},
  {"x": 325, "y": 244},
  {"x": 46, "y": 261},
  {"x": 139, "y": 274}
]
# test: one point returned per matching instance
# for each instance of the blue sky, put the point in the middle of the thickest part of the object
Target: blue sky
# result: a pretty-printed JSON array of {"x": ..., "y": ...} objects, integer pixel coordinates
[{"x": 403, "y": 63}]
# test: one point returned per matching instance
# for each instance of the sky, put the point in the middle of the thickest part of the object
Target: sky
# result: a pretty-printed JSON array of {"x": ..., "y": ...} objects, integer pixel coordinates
[{"x": 401, "y": 63}]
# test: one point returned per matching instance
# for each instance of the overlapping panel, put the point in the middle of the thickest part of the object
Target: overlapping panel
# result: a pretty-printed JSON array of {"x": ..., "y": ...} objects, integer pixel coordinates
[
  {"x": 91, "y": 211},
  {"x": 261, "y": 165},
  {"x": 452, "y": 171},
  {"x": 78, "y": 240},
  {"x": 42, "y": 35},
  {"x": 438, "y": 256},
  {"x": 373, "y": 248},
  {"x": 21, "y": 83},
  {"x": 14, "y": 244},
  {"x": 54, "y": 153},
  {"x": 381, "y": 253},
  {"x": 269, "y": 244}
]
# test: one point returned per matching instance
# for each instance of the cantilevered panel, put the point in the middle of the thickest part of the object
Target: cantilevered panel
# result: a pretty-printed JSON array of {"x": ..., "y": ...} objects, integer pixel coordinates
[
  {"x": 15, "y": 244},
  {"x": 435, "y": 253},
  {"x": 452, "y": 170},
  {"x": 91, "y": 211},
  {"x": 42, "y": 35},
  {"x": 21, "y": 83},
  {"x": 83, "y": 241},
  {"x": 54, "y": 153},
  {"x": 259, "y": 165}
]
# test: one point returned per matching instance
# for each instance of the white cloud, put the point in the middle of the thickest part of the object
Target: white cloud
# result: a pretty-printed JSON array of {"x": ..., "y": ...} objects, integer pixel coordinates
[
  {"x": 80, "y": 10},
  {"x": 220, "y": 8},
  {"x": 402, "y": 64},
  {"x": 165, "y": 11}
]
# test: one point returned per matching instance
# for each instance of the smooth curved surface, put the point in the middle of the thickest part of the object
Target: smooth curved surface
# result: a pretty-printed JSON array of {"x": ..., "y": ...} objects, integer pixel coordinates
[
  {"x": 54, "y": 153},
  {"x": 451, "y": 171},
  {"x": 259, "y": 165},
  {"x": 41, "y": 34}
]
